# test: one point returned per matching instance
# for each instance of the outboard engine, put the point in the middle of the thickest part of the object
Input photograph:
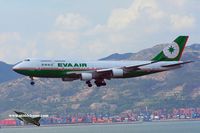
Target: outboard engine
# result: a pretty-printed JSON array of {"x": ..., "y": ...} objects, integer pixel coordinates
[{"x": 117, "y": 72}]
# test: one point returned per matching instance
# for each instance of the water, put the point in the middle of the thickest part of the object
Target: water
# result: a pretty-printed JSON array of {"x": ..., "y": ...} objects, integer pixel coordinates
[{"x": 153, "y": 127}]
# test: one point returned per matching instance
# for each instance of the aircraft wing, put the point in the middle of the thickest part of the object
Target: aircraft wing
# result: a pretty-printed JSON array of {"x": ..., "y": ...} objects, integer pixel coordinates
[
  {"x": 19, "y": 118},
  {"x": 78, "y": 72},
  {"x": 177, "y": 64},
  {"x": 101, "y": 73},
  {"x": 136, "y": 67},
  {"x": 37, "y": 118},
  {"x": 104, "y": 73},
  {"x": 19, "y": 113},
  {"x": 131, "y": 67},
  {"x": 107, "y": 73}
]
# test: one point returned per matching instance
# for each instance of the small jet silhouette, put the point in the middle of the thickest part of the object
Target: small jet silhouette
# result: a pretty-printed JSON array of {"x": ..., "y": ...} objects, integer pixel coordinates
[{"x": 27, "y": 119}]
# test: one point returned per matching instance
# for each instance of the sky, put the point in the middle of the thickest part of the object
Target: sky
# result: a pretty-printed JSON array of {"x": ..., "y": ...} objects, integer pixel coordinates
[{"x": 91, "y": 29}]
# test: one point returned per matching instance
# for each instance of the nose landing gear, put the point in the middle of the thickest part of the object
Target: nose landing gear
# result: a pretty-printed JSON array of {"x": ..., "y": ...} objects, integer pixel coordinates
[{"x": 32, "y": 81}]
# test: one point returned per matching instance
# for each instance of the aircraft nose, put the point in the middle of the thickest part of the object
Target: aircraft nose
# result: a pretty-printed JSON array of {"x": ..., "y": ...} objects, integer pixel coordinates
[
  {"x": 15, "y": 68},
  {"x": 19, "y": 68},
  {"x": 16, "y": 112}
]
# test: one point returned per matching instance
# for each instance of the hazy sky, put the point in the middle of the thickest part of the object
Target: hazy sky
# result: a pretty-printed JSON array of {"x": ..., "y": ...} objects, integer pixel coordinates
[{"x": 92, "y": 29}]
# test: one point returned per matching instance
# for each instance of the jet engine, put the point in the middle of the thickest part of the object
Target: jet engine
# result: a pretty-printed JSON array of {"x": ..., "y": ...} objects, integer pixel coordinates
[
  {"x": 117, "y": 72},
  {"x": 86, "y": 76}
]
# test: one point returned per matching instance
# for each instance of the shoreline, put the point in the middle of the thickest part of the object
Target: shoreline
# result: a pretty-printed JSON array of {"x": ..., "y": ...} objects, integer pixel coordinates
[{"x": 91, "y": 124}]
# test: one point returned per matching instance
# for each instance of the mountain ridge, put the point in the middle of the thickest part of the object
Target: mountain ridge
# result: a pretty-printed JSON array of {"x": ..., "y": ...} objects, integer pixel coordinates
[{"x": 177, "y": 88}]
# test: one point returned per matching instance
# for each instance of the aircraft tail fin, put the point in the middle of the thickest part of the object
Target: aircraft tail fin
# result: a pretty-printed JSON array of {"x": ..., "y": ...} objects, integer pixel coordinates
[
  {"x": 37, "y": 119},
  {"x": 173, "y": 51}
]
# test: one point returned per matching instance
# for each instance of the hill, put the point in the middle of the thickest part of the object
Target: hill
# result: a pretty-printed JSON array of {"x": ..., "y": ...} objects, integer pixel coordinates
[
  {"x": 6, "y": 73},
  {"x": 177, "y": 88}
]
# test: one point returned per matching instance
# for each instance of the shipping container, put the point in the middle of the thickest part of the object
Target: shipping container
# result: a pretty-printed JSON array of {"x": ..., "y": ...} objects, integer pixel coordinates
[{"x": 8, "y": 122}]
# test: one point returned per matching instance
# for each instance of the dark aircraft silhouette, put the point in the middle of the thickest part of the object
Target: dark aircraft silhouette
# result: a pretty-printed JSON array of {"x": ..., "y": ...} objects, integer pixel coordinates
[{"x": 27, "y": 119}]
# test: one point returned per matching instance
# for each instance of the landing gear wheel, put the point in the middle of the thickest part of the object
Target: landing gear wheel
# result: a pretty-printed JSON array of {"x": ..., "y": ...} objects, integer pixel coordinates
[
  {"x": 89, "y": 83},
  {"x": 97, "y": 83},
  {"x": 104, "y": 84},
  {"x": 100, "y": 83},
  {"x": 32, "y": 82}
]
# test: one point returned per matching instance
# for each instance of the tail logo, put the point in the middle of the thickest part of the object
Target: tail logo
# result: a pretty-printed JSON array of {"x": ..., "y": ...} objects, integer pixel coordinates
[{"x": 171, "y": 51}]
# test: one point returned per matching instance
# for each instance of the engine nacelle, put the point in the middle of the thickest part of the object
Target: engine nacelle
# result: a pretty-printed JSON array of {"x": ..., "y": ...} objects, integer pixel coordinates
[
  {"x": 86, "y": 76},
  {"x": 117, "y": 72},
  {"x": 68, "y": 79}
]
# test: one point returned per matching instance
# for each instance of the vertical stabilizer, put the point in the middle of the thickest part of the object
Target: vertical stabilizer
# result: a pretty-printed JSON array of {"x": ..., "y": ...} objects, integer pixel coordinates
[{"x": 173, "y": 51}]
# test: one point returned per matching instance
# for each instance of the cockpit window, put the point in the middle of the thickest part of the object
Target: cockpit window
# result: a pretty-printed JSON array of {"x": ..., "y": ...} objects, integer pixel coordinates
[
  {"x": 27, "y": 60},
  {"x": 18, "y": 62}
]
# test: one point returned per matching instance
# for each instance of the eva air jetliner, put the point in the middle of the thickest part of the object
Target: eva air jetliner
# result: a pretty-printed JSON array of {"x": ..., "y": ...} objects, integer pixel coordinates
[{"x": 99, "y": 71}]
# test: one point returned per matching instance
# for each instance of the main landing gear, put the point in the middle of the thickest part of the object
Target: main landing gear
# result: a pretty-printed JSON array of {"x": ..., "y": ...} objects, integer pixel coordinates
[
  {"x": 89, "y": 83},
  {"x": 98, "y": 83},
  {"x": 32, "y": 81}
]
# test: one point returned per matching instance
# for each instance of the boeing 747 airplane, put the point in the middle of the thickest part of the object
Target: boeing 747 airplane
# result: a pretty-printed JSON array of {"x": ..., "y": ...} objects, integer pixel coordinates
[{"x": 99, "y": 71}]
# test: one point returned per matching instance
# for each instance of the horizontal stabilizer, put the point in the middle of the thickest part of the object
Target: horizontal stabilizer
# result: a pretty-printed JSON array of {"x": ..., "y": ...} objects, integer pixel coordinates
[{"x": 178, "y": 64}]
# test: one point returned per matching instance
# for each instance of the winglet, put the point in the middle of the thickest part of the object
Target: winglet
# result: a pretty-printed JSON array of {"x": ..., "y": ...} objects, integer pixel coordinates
[{"x": 173, "y": 51}]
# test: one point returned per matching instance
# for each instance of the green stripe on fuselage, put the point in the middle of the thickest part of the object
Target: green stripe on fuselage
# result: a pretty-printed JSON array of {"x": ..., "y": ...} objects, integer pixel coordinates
[
  {"x": 61, "y": 71},
  {"x": 46, "y": 73},
  {"x": 58, "y": 73}
]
